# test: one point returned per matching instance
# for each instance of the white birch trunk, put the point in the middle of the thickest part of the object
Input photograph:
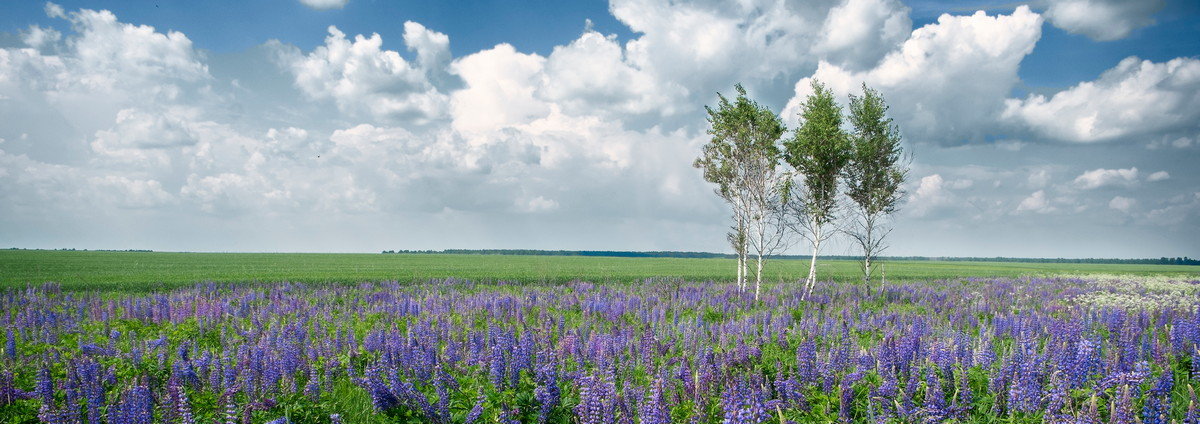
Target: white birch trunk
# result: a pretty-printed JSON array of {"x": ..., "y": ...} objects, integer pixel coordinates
[{"x": 812, "y": 265}]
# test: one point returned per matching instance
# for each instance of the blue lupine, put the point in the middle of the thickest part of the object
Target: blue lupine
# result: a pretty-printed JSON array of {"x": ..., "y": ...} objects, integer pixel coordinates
[
  {"x": 745, "y": 403},
  {"x": 653, "y": 409},
  {"x": 10, "y": 345},
  {"x": 597, "y": 400},
  {"x": 1122, "y": 407},
  {"x": 476, "y": 411},
  {"x": 547, "y": 393},
  {"x": 934, "y": 409}
]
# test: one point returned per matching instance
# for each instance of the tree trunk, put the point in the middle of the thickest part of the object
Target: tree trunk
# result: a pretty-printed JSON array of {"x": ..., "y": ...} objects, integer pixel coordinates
[
  {"x": 758, "y": 277},
  {"x": 741, "y": 267},
  {"x": 759, "y": 256},
  {"x": 867, "y": 268},
  {"x": 812, "y": 266}
]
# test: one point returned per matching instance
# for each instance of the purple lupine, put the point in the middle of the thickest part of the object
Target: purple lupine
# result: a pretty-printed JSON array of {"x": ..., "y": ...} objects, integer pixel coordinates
[
  {"x": 745, "y": 403},
  {"x": 136, "y": 406},
  {"x": 312, "y": 389},
  {"x": 10, "y": 345},
  {"x": 381, "y": 397},
  {"x": 806, "y": 362},
  {"x": 1157, "y": 405},
  {"x": 1121, "y": 411},
  {"x": 1193, "y": 411},
  {"x": 884, "y": 396},
  {"x": 547, "y": 393},
  {"x": 1086, "y": 362},
  {"x": 179, "y": 408},
  {"x": 597, "y": 400},
  {"x": 509, "y": 415},
  {"x": 1056, "y": 402},
  {"x": 935, "y": 409},
  {"x": 476, "y": 411},
  {"x": 653, "y": 409},
  {"x": 845, "y": 405},
  {"x": 45, "y": 386}
]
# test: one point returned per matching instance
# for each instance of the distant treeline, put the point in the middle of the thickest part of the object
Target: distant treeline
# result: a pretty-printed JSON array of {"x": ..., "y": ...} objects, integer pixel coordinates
[
  {"x": 674, "y": 254},
  {"x": 72, "y": 249}
]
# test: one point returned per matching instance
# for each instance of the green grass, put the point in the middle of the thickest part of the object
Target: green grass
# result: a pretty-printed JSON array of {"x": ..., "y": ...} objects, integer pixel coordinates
[{"x": 139, "y": 271}]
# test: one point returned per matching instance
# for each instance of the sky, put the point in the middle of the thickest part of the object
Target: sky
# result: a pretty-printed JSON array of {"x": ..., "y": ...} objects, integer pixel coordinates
[{"x": 1053, "y": 128}]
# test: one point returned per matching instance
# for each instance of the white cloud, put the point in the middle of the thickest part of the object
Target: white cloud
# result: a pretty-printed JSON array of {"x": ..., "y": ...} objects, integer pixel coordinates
[
  {"x": 1180, "y": 209},
  {"x": 361, "y": 137},
  {"x": 41, "y": 38},
  {"x": 929, "y": 195},
  {"x": 1097, "y": 178},
  {"x": 1036, "y": 202},
  {"x": 1135, "y": 98},
  {"x": 1039, "y": 178},
  {"x": 1158, "y": 176},
  {"x": 1103, "y": 20},
  {"x": 592, "y": 76},
  {"x": 325, "y": 4},
  {"x": 538, "y": 204},
  {"x": 132, "y": 193},
  {"x": 859, "y": 32},
  {"x": 948, "y": 81},
  {"x": 1122, "y": 204},
  {"x": 432, "y": 49},
  {"x": 365, "y": 80},
  {"x": 500, "y": 85}
]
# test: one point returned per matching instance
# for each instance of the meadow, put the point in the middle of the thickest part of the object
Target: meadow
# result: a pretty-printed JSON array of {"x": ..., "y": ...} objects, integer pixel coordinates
[
  {"x": 349, "y": 340},
  {"x": 142, "y": 271}
]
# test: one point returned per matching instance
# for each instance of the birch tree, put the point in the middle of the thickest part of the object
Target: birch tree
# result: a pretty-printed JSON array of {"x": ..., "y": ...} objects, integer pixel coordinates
[
  {"x": 742, "y": 160},
  {"x": 818, "y": 151},
  {"x": 873, "y": 175}
]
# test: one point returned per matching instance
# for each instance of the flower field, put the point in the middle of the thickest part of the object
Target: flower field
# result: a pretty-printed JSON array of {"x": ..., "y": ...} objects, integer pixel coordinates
[{"x": 1112, "y": 350}]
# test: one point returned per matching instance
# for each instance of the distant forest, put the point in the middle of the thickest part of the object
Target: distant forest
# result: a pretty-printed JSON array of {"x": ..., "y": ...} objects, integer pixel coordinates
[{"x": 674, "y": 254}]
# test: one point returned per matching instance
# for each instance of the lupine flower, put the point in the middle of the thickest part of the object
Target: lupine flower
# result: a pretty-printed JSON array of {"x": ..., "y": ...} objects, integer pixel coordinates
[
  {"x": 745, "y": 403},
  {"x": 1122, "y": 407},
  {"x": 653, "y": 409},
  {"x": 476, "y": 411},
  {"x": 597, "y": 400},
  {"x": 10, "y": 345}
]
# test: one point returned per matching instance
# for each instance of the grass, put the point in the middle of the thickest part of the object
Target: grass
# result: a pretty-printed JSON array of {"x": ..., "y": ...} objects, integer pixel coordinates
[{"x": 140, "y": 271}]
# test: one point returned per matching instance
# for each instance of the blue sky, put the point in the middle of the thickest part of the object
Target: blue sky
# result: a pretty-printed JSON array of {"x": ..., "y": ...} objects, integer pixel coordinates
[{"x": 1047, "y": 128}]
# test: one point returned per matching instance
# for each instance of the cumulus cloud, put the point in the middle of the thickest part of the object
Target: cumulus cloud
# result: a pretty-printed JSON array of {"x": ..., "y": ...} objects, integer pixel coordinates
[
  {"x": 1039, "y": 178},
  {"x": 1135, "y": 98},
  {"x": 132, "y": 193},
  {"x": 1097, "y": 178},
  {"x": 947, "y": 82},
  {"x": 325, "y": 4},
  {"x": 860, "y": 32},
  {"x": 538, "y": 204},
  {"x": 365, "y": 80},
  {"x": 1122, "y": 204},
  {"x": 1184, "y": 208},
  {"x": 1037, "y": 203},
  {"x": 930, "y": 194},
  {"x": 592, "y": 74},
  {"x": 403, "y": 139},
  {"x": 1103, "y": 20},
  {"x": 1158, "y": 176}
]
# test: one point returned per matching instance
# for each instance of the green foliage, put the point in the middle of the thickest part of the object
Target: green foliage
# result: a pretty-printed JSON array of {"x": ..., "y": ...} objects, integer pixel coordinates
[
  {"x": 874, "y": 172},
  {"x": 744, "y": 134},
  {"x": 819, "y": 150}
]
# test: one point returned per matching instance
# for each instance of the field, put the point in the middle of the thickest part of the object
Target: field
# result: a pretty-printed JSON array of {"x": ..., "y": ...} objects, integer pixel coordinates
[
  {"x": 140, "y": 271},
  {"x": 128, "y": 337}
]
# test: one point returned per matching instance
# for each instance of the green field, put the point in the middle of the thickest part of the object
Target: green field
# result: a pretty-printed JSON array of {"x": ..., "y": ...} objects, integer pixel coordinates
[{"x": 139, "y": 271}]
